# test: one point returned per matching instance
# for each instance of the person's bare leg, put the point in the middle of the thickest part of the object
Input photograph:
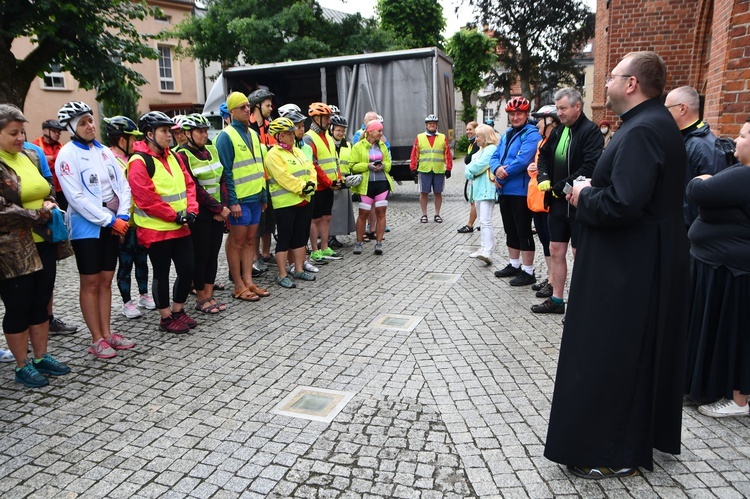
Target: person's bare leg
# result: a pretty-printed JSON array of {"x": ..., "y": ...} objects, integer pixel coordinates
[
  {"x": 380, "y": 227},
  {"x": 314, "y": 234},
  {"x": 372, "y": 220},
  {"x": 235, "y": 241},
  {"x": 19, "y": 345},
  {"x": 739, "y": 398},
  {"x": 39, "y": 335},
  {"x": 559, "y": 268},
  {"x": 281, "y": 259},
  {"x": 438, "y": 203},
  {"x": 361, "y": 221},
  {"x": 514, "y": 254},
  {"x": 324, "y": 229},
  {"x": 527, "y": 258},
  {"x": 89, "y": 300},
  {"x": 299, "y": 258},
  {"x": 105, "y": 302},
  {"x": 472, "y": 215},
  {"x": 423, "y": 202},
  {"x": 247, "y": 255}
]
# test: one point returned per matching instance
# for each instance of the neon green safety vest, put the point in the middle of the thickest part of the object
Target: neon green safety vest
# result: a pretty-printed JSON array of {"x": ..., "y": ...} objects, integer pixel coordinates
[
  {"x": 207, "y": 171},
  {"x": 431, "y": 157},
  {"x": 343, "y": 157},
  {"x": 172, "y": 190},
  {"x": 298, "y": 166},
  {"x": 247, "y": 169},
  {"x": 326, "y": 155}
]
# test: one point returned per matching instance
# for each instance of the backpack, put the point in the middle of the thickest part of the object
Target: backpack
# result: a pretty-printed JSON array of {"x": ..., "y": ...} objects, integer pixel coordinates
[
  {"x": 724, "y": 153},
  {"x": 148, "y": 160}
]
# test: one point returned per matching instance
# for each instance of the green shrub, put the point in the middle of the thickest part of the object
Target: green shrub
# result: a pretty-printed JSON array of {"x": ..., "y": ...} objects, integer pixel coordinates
[{"x": 462, "y": 144}]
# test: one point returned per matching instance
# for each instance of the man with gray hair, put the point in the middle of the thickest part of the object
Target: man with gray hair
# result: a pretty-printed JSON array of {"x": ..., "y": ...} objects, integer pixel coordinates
[
  {"x": 572, "y": 150},
  {"x": 684, "y": 105}
]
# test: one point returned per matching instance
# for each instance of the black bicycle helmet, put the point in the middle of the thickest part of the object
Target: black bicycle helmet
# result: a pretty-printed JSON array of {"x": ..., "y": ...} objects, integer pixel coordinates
[
  {"x": 153, "y": 120},
  {"x": 52, "y": 125},
  {"x": 337, "y": 120},
  {"x": 258, "y": 96},
  {"x": 117, "y": 126}
]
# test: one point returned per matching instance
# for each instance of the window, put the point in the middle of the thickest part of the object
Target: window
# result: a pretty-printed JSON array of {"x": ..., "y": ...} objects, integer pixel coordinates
[
  {"x": 55, "y": 78},
  {"x": 489, "y": 114},
  {"x": 166, "y": 71},
  {"x": 161, "y": 16}
]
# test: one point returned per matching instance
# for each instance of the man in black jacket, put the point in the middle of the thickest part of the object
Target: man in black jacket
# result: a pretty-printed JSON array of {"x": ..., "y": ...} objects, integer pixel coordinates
[{"x": 571, "y": 151}]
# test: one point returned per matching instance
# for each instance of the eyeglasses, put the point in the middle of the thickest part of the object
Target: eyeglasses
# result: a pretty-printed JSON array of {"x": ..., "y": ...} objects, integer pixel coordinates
[
  {"x": 673, "y": 105},
  {"x": 611, "y": 77}
]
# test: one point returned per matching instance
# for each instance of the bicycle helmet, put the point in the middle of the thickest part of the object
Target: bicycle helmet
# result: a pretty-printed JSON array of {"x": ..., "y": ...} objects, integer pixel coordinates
[
  {"x": 518, "y": 104},
  {"x": 153, "y": 120},
  {"x": 335, "y": 109},
  {"x": 72, "y": 110},
  {"x": 258, "y": 96},
  {"x": 178, "y": 121},
  {"x": 52, "y": 125},
  {"x": 353, "y": 180},
  {"x": 200, "y": 120},
  {"x": 288, "y": 108},
  {"x": 337, "y": 120},
  {"x": 548, "y": 111},
  {"x": 117, "y": 126},
  {"x": 490, "y": 122},
  {"x": 295, "y": 116},
  {"x": 380, "y": 118},
  {"x": 280, "y": 125},
  {"x": 431, "y": 118},
  {"x": 319, "y": 109},
  {"x": 191, "y": 122}
]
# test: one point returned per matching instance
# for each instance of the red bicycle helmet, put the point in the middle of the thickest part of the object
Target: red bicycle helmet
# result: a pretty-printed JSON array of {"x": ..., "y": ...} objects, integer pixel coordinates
[{"x": 518, "y": 104}]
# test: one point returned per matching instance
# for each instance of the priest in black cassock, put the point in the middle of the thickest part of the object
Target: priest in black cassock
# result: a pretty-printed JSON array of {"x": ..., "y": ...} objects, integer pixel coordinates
[{"x": 618, "y": 390}]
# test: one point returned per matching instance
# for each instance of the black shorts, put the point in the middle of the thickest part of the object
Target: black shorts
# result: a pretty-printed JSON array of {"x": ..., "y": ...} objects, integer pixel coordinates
[
  {"x": 322, "y": 204},
  {"x": 293, "y": 223},
  {"x": 94, "y": 255},
  {"x": 267, "y": 220},
  {"x": 26, "y": 297},
  {"x": 377, "y": 187},
  {"x": 563, "y": 227}
]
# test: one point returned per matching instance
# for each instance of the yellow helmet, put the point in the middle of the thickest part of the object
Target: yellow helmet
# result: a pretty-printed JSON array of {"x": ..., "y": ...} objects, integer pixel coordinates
[{"x": 280, "y": 125}]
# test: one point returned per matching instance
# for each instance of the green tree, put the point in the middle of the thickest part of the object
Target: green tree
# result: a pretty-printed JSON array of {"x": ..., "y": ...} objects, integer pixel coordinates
[
  {"x": 538, "y": 42},
  {"x": 473, "y": 57},
  {"x": 119, "y": 102},
  {"x": 89, "y": 38},
  {"x": 258, "y": 31},
  {"x": 416, "y": 23}
]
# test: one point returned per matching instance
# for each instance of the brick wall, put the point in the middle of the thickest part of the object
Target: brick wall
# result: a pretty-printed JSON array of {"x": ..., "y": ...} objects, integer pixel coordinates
[{"x": 705, "y": 44}]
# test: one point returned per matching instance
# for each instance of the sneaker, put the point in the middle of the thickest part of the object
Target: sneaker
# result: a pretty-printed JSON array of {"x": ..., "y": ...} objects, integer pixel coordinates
[
  {"x": 147, "y": 302},
  {"x": 548, "y": 307},
  {"x": 378, "y": 248},
  {"x": 334, "y": 243},
  {"x": 475, "y": 254},
  {"x": 522, "y": 279},
  {"x": 181, "y": 316},
  {"x": 130, "y": 310},
  {"x": 329, "y": 254},
  {"x": 508, "y": 271},
  {"x": 119, "y": 342},
  {"x": 102, "y": 350},
  {"x": 57, "y": 326},
  {"x": 286, "y": 282},
  {"x": 599, "y": 473},
  {"x": 539, "y": 285},
  {"x": 256, "y": 272},
  {"x": 269, "y": 260},
  {"x": 357, "y": 249},
  {"x": 387, "y": 229},
  {"x": 317, "y": 258},
  {"x": 6, "y": 356},
  {"x": 304, "y": 276},
  {"x": 171, "y": 325},
  {"x": 545, "y": 292},
  {"x": 486, "y": 257},
  {"x": 260, "y": 264},
  {"x": 29, "y": 377},
  {"x": 50, "y": 366},
  {"x": 724, "y": 408}
]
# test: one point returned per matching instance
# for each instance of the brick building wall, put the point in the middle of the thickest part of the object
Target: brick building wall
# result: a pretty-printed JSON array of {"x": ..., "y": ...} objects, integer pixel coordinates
[{"x": 705, "y": 44}]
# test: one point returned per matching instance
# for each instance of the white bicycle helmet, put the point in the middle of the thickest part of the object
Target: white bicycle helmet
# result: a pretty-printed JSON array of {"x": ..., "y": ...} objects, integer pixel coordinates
[
  {"x": 72, "y": 110},
  {"x": 431, "y": 118},
  {"x": 353, "y": 180},
  {"x": 288, "y": 108}
]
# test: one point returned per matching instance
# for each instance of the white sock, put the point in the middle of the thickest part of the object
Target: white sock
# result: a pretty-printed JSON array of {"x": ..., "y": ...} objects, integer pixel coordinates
[
  {"x": 529, "y": 269},
  {"x": 516, "y": 262}
]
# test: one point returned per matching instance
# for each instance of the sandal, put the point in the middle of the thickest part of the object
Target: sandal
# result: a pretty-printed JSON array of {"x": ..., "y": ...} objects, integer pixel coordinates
[
  {"x": 206, "y": 306},
  {"x": 465, "y": 229},
  {"x": 438, "y": 219},
  {"x": 246, "y": 295},
  {"x": 423, "y": 219},
  {"x": 220, "y": 306},
  {"x": 262, "y": 292},
  {"x": 219, "y": 286},
  {"x": 365, "y": 238},
  {"x": 371, "y": 235}
]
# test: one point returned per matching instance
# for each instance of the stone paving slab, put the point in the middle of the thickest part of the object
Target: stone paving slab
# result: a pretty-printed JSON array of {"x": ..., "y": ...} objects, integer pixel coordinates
[{"x": 456, "y": 407}]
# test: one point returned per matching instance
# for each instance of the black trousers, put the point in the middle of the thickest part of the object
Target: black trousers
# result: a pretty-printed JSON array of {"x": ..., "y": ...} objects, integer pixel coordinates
[
  {"x": 207, "y": 236},
  {"x": 162, "y": 254}
]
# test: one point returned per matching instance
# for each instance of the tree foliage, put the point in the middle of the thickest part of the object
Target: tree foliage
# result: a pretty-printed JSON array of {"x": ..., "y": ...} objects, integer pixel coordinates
[
  {"x": 537, "y": 42},
  {"x": 415, "y": 23},
  {"x": 89, "y": 38},
  {"x": 473, "y": 57},
  {"x": 258, "y": 31}
]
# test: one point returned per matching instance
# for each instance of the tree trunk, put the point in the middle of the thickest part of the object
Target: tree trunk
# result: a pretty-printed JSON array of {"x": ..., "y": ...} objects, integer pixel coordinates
[{"x": 13, "y": 89}]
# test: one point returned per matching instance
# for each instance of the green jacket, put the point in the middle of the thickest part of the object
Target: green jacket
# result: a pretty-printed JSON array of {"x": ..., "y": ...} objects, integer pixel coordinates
[{"x": 359, "y": 158}]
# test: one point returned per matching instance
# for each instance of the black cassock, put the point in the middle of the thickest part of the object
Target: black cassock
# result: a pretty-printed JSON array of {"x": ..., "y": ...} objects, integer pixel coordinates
[{"x": 618, "y": 390}]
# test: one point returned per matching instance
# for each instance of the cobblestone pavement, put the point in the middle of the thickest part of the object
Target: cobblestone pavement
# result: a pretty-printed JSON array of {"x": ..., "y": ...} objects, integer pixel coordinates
[{"x": 457, "y": 407}]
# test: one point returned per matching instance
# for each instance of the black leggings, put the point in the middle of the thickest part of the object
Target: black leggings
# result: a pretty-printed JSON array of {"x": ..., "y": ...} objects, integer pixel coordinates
[
  {"x": 207, "y": 236},
  {"x": 161, "y": 254},
  {"x": 542, "y": 230},
  {"x": 26, "y": 297},
  {"x": 517, "y": 222}
]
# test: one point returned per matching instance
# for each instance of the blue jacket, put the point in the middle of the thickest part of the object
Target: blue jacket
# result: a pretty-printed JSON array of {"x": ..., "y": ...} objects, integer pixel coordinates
[
  {"x": 482, "y": 188},
  {"x": 516, "y": 151}
]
